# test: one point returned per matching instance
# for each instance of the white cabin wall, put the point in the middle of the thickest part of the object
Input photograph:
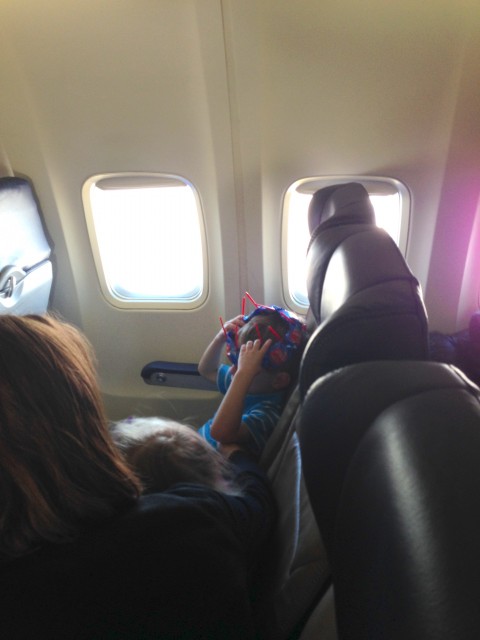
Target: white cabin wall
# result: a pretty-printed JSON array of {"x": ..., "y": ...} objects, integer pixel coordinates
[
  {"x": 125, "y": 88},
  {"x": 346, "y": 88},
  {"x": 363, "y": 90},
  {"x": 455, "y": 267},
  {"x": 25, "y": 148},
  {"x": 242, "y": 52},
  {"x": 242, "y": 97}
]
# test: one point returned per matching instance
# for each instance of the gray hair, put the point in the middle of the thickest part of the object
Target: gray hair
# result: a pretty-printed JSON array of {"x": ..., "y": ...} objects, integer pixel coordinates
[{"x": 164, "y": 452}]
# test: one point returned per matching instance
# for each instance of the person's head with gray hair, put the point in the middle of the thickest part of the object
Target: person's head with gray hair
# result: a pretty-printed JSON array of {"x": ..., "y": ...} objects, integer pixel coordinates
[{"x": 163, "y": 452}]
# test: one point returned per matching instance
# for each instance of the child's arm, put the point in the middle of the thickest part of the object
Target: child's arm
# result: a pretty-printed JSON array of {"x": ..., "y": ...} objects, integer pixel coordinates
[
  {"x": 227, "y": 426},
  {"x": 208, "y": 365}
]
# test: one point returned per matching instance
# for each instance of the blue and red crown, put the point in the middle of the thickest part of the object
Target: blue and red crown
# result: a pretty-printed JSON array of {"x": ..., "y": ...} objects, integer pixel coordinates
[{"x": 282, "y": 349}]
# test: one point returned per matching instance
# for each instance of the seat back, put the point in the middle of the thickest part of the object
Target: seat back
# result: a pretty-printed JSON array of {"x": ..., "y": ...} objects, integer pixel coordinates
[
  {"x": 365, "y": 302},
  {"x": 25, "y": 266},
  {"x": 295, "y": 571},
  {"x": 390, "y": 456},
  {"x": 335, "y": 213}
]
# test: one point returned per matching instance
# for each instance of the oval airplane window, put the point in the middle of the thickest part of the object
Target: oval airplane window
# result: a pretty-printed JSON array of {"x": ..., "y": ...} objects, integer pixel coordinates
[
  {"x": 148, "y": 240},
  {"x": 391, "y": 202}
]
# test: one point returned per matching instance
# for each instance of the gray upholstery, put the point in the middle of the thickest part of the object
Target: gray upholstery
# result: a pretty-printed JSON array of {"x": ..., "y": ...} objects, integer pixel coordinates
[
  {"x": 295, "y": 570},
  {"x": 25, "y": 266},
  {"x": 391, "y": 456}
]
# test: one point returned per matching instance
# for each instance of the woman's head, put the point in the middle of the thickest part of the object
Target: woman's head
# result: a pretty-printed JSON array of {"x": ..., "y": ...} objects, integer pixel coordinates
[
  {"x": 164, "y": 453},
  {"x": 58, "y": 464}
]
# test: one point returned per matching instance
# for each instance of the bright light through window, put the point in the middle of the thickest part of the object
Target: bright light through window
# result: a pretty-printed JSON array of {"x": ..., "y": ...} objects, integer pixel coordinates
[
  {"x": 149, "y": 241},
  {"x": 387, "y": 215},
  {"x": 298, "y": 237}
]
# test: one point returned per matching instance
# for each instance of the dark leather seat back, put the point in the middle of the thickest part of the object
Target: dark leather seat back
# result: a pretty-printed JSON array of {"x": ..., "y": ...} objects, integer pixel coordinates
[
  {"x": 390, "y": 454},
  {"x": 25, "y": 266},
  {"x": 365, "y": 304},
  {"x": 335, "y": 213},
  {"x": 365, "y": 301}
]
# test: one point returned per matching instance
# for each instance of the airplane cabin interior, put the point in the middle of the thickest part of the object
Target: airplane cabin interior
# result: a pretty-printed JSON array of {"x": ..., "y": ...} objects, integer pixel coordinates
[{"x": 161, "y": 159}]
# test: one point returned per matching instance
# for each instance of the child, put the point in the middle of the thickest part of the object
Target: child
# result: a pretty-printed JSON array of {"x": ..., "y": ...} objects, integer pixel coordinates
[
  {"x": 164, "y": 453},
  {"x": 265, "y": 348}
]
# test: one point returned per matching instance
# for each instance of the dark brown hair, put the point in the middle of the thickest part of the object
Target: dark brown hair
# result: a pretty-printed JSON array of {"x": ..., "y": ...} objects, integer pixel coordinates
[{"x": 59, "y": 468}]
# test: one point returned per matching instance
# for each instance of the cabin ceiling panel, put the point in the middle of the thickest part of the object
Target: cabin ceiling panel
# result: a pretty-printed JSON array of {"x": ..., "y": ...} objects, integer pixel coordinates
[
  {"x": 358, "y": 83},
  {"x": 116, "y": 83}
]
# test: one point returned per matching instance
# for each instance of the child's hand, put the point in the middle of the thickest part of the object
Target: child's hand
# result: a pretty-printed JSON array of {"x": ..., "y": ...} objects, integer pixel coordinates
[
  {"x": 251, "y": 356},
  {"x": 234, "y": 322},
  {"x": 230, "y": 325}
]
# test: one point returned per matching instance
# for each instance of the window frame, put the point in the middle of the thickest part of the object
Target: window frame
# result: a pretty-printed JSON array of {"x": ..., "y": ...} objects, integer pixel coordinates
[
  {"x": 375, "y": 185},
  {"x": 138, "y": 180}
]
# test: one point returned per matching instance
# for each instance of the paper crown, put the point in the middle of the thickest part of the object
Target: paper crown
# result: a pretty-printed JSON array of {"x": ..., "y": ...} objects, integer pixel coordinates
[{"x": 282, "y": 348}]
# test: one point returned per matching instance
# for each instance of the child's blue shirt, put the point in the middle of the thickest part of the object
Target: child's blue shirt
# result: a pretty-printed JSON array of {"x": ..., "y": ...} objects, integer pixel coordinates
[{"x": 261, "y": 413}]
